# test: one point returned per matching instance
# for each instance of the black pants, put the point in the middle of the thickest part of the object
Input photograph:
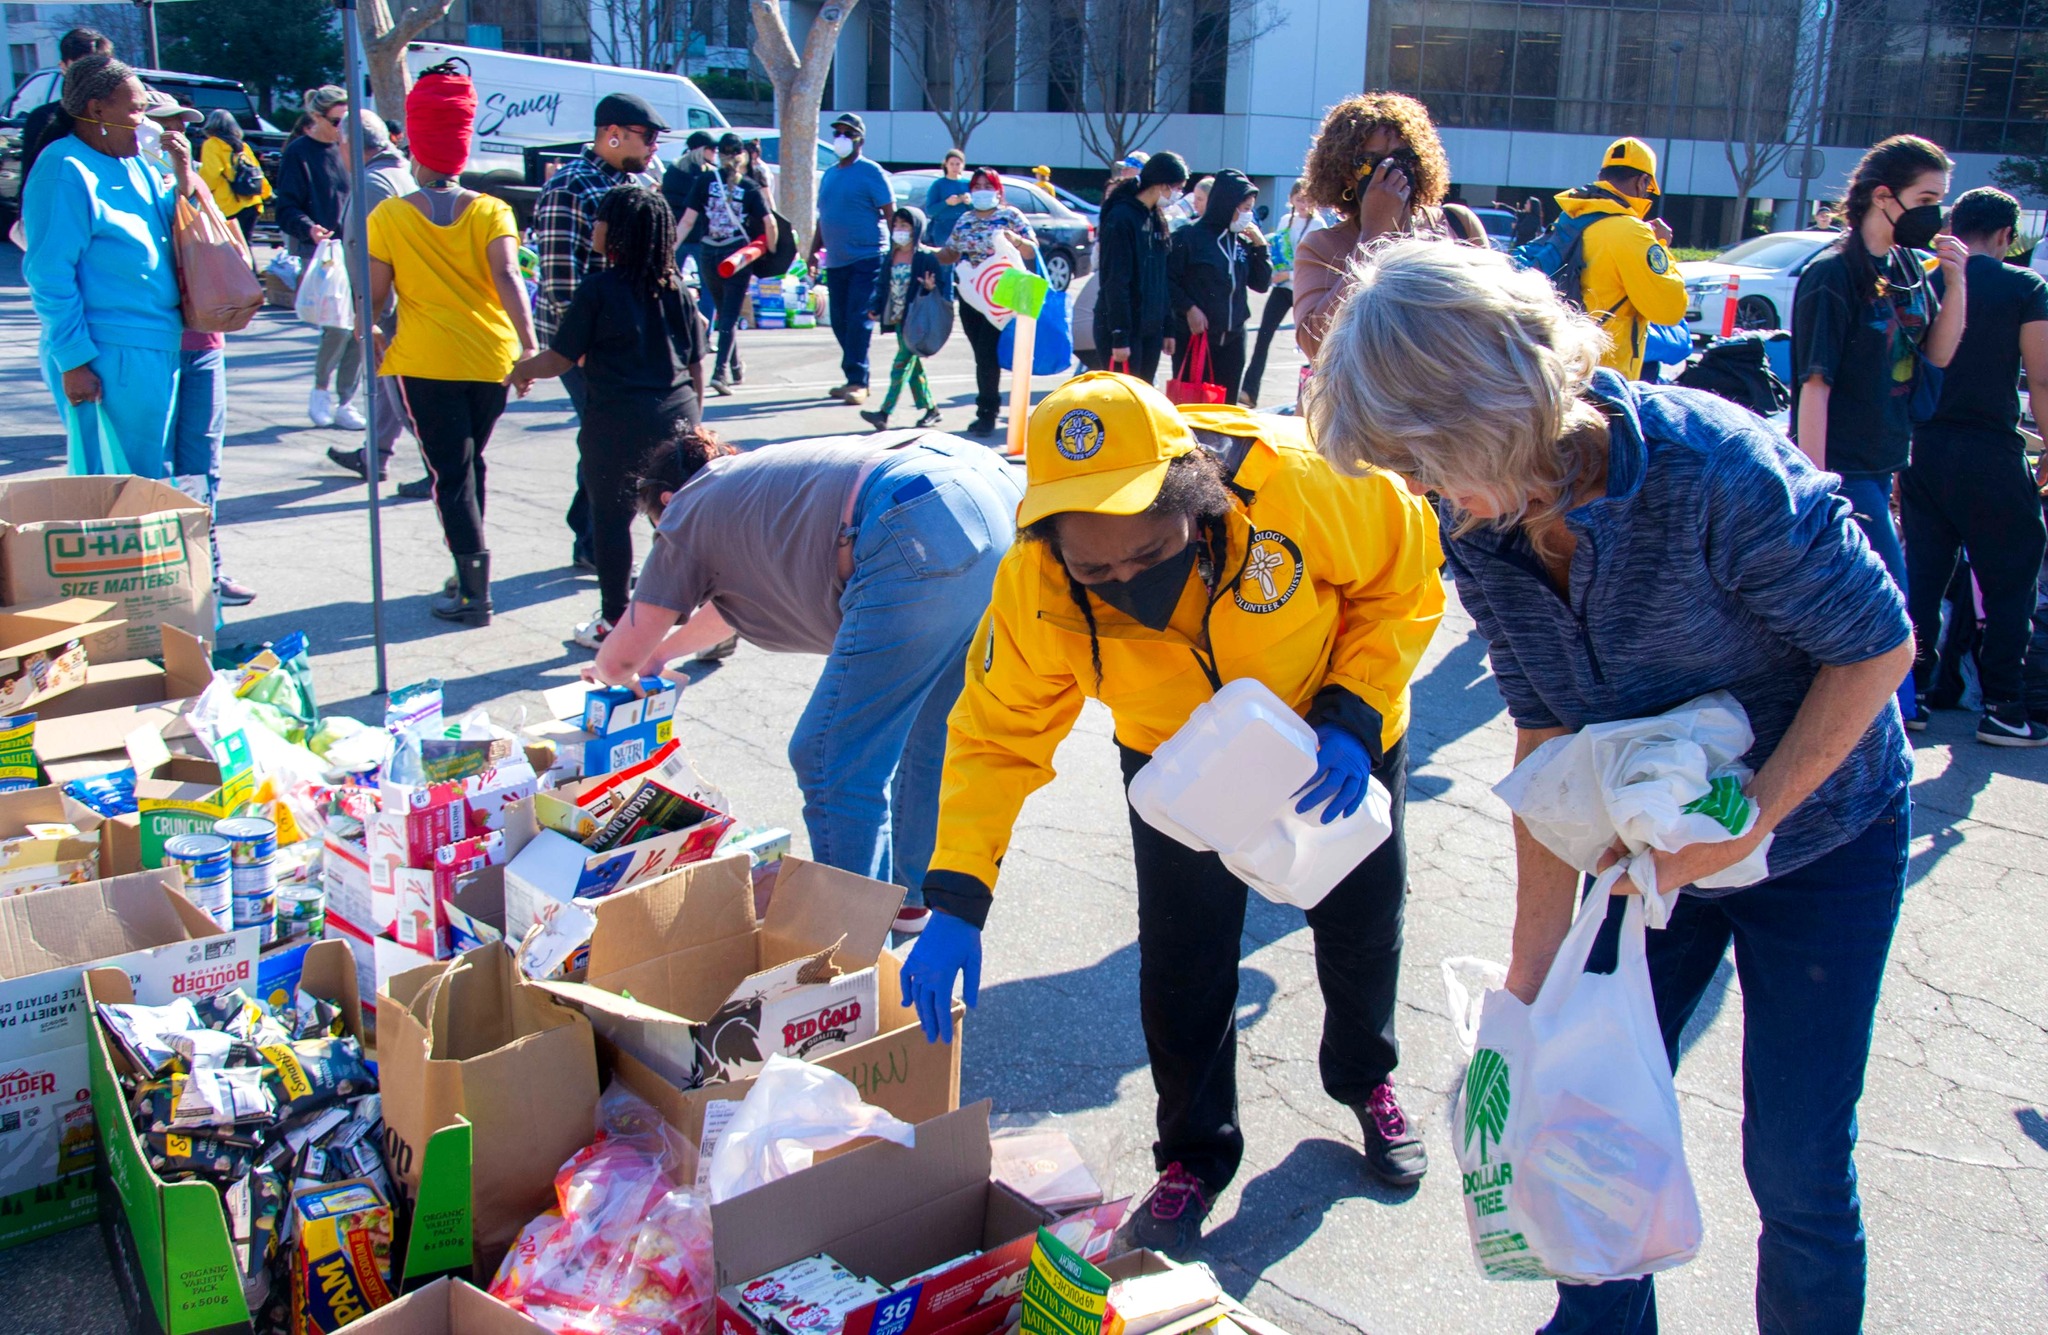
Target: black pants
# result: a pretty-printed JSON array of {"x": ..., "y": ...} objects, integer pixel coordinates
[
  {"x": 1190, "y": 925},
  {"x": 1145, "y": 350},
  {"x": 1278, "y": 302},
  {"x": 578, "y": 516},
  {"x": 610, "y": 446},
  {"x": 729, "y": 294},
  {"x": 1226, "y": 360},
  {"x": 247, "y": 220},
  {"x": 1976, "y": 496},
  {"x": 453, "y": 420},
  {"x": 988, "y": 373}
]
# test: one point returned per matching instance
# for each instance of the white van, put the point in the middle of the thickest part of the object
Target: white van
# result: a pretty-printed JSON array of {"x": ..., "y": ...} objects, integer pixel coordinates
[{"x": 523, "y": 102}]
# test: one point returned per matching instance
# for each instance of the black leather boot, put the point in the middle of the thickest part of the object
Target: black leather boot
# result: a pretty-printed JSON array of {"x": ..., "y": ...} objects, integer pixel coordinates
[{"x": 470, "y": 601}]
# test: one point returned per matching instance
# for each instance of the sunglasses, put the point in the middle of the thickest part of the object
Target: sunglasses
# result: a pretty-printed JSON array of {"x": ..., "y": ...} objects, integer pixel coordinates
[
  {"x": 649, "y": 136},
  {"x": 336, "y": 121}
]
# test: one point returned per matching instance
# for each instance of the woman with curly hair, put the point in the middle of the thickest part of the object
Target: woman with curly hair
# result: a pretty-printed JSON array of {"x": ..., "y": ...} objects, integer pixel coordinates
[{"x": 1379, "y": 166}]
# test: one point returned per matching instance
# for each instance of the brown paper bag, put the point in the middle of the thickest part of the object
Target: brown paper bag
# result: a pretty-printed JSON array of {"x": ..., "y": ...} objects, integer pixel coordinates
[
  {"x": 469, "y": 1037},
  {"x": 219, "y": 288}
]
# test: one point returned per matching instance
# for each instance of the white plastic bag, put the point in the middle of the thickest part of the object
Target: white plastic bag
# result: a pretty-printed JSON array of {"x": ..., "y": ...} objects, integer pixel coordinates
[
  {"x": 794, "y": 1110},
  {"x": 325, "y": 298},
  {"x": 1654, "y": 783},
  {"x": 976, "y": 280},
  {"x": 1566, "y": 1126}
]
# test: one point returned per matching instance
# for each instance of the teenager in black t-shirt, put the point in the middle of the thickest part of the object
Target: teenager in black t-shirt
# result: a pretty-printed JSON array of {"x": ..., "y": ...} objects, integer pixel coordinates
[
  {"x": 1969, "y": 488},
  {"x": 1863, "y": 320},
  {"x": 637, "y": 336}
]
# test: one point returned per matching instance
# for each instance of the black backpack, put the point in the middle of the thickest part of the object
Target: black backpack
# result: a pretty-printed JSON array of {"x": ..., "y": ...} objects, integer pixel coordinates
[
  {"x": 247, "y": 181},
  {"x": 1739, "y": 370}
]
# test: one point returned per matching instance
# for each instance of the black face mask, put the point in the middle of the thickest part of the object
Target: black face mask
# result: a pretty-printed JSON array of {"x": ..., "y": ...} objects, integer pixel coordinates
[
  {"x": 1916, "y": 228},
  {"x": 1149, "y": 596}
]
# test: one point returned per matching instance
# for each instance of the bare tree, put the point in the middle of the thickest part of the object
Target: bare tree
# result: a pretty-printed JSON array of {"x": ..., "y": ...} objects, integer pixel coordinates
[
  {"x": 799, "y": 89},
  {"x": 646, "y": 34},
  {"x": 1123, "y": 66},
  {"x": 384, "y": 39},
  {"x": 964, "y": 56}
]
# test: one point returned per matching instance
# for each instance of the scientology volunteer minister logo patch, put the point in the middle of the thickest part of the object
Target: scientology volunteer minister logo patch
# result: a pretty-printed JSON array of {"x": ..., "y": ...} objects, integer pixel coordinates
[
  {"x": 1272, "y": 572},
  {"x": 1080, "y": 435}
]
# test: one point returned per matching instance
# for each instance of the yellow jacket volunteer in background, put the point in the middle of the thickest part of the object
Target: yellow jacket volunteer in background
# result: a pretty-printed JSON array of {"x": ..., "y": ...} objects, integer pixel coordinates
[
  {"x": 217, "y": 168},
  {"x": 1628, "y": 272},
  {"x": 1328, "y": 593}
]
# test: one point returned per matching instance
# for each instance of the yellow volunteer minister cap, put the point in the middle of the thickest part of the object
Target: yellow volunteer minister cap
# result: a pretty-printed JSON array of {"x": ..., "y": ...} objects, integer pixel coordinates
[
  {"x": 1100, "y": 444},
  {"x": 1636, "y": 156}
]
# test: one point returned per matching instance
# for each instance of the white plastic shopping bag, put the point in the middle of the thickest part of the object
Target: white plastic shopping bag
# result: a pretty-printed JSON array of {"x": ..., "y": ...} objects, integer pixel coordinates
[
  {"x": 1566, "y": 1127},
  {"x": 976, "y": 281},
  {"x": 794, "y": 1110},
  {"x": 325, "y": 298},
  {"x": 1654, "y": 783}
]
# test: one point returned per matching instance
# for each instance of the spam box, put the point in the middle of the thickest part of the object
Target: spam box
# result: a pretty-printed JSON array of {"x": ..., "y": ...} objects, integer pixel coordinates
[
  {"x": 341, "y": 1255},
  {"x": 685, "y": 977},
  {"x": 447, "y": 1307},
  {"x": 137, "y": 543},
  {"x": 43, "y": 649},
  {"x": 161, "y": 947},
  {"x": 951, "y": 1246},
  {"x": 173, "y": 1260}
]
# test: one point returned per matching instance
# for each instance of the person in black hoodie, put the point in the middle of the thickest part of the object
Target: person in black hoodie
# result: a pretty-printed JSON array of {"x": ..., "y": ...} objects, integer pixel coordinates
[
  {"x": 1213, "y": 262},
  {"x": 1130, "y": 275},
  {"x": 911, "y": 270}
]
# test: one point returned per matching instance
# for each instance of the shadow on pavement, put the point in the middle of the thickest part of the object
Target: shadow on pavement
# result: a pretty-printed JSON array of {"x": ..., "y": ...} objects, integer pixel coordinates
[
  {"x": 26, "y": 453},
  {"x": 1457, "y": 697},
  {"x": 1281, "y": 1209},
  {"x": 1941, "y": 802}
]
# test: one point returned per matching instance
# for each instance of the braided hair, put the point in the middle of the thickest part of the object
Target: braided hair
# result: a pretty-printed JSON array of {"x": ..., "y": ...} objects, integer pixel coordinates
[
  {"x": 90, "y": 79},
  {"x": 640, "y": 238},
  {"x": 1895, "y": 164},
  {"x": 1194, "y": 487}
]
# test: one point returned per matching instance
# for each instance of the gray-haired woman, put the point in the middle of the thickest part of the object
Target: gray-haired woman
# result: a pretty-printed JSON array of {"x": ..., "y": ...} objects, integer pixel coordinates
[{"x": 1624, "y": 547}]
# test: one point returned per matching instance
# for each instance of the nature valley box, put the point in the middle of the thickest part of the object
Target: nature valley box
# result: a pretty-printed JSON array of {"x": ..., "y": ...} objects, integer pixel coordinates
[
  {"x": 139, "y": 926},
  {"x": 137, "y": 543}
]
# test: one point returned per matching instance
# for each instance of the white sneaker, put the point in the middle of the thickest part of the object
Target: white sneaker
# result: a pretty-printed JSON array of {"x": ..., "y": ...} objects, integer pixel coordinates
[
  {"x": 320, "y": 407},
  {"x": 591, "y": 634},
  {"x": 347, "y": 418}
]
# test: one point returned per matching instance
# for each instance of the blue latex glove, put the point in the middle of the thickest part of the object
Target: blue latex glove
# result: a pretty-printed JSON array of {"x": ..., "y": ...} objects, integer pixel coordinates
[
  {"x": 1342, "y": 767},
  {"x": 947, "y": 948}
]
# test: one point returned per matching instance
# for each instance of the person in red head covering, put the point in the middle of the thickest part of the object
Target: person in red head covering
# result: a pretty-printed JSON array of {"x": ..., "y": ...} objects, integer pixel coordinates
[{"x": 973, "y": 239}]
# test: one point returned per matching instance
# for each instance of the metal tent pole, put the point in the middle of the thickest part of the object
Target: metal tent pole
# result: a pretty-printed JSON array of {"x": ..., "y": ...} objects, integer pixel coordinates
[{"x": 359, "y": 278}]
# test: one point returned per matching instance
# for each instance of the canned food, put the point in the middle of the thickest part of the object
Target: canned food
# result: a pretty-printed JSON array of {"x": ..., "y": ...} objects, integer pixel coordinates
[
  {"x": 254, "y": 878},
  {"x": 301, "y": 911},
  {"x": 252, "y": 840},
  {"x": 203, "y": 859}
]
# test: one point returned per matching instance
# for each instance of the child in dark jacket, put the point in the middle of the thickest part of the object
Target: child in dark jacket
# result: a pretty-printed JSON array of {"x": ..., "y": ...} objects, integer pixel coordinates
[
  {"x": 912, "y": 269},
  {"x": 1214, "y": 261}
]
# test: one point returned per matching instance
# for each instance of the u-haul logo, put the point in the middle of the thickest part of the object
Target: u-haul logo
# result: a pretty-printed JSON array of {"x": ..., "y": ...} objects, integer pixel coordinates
[
  {"x": 833, "y": 1023},
  {"x": 26, "y": 1084},
  {"x": 115, "y": 547}
]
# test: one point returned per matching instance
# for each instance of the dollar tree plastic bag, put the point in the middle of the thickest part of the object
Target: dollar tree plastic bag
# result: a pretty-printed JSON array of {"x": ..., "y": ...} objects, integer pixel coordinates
[
  {"x": 1661, "y": 782},
  {"x": 794, "y": 1110},
  {"x": 325, "y": 298},
  {"x": 1566, "y": 1126}
]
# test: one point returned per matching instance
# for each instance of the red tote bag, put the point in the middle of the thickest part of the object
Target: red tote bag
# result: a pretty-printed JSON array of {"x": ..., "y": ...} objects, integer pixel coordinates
[{"x": 1197, "y": 388}]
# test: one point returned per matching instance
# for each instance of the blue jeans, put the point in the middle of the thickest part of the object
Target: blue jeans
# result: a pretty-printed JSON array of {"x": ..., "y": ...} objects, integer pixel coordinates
[
  {"x": 852, "y": 287},
  {"x": 931, "y": 525},
  {"x": 1810, "y": 950},
  {"x": 199, "y": 428},
  {"x": 1870, "y": 499}
]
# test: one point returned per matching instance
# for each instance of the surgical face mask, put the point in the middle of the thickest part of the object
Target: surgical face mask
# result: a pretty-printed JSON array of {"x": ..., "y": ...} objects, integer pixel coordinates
[
  {"x": 982, "y": 199},
  {"x": 1245, "y": 222},
  {"x": 149, "y": 139},
  {"x": 901, "y": 236},
  {"x": 842, "y": 145},
  {"x": 1171, "y": 198},
  {"x": 1150, "y": 596},
  {"x": 1916, "y": 228}
]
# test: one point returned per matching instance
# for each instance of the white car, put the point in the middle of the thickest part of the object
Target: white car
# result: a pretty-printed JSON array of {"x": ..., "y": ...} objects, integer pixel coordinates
[
  {"x": 771, "y": 154},
  {"x": 1766, "y": 270}
]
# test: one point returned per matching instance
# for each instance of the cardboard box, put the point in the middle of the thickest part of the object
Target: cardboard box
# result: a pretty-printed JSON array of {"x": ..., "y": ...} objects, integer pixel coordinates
[
  {"x": 173, "y": 1261},
  {"x": 43, "y": 650},
  {"x": 87, "y": 730},
  {"x": 138, "y": 543},
  {"x": 630, "y": 746},
  {"x": 162, "y": 948},
  {"x": 685, "y": 977},
  {"x": 890, "y": 1212},
  {"x": 447, "y": 1307},
  {"x": 48, "y": 862},
  {"x": 555, "y": 867}
]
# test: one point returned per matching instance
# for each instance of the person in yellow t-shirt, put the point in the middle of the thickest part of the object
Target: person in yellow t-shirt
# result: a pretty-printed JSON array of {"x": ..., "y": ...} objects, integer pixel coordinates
[
  {"x": 222, "y": 157},
  {"x": 452, "y": 258}
]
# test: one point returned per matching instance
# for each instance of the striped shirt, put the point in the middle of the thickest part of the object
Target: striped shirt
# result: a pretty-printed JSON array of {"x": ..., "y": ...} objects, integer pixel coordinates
[
  {"x": 1719, "y": 558},
  {"x": 561, "y": 231}
]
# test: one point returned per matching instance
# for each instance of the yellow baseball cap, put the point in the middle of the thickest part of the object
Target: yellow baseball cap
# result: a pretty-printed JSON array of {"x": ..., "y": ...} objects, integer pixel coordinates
[
  {"x": 1636, "y": 156},
  {"x": 1099, "y": 444}
]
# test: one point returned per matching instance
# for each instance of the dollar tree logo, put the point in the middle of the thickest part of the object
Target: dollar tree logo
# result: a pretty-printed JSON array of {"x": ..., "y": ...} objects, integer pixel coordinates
[{"x": 1486, "y": 1099}]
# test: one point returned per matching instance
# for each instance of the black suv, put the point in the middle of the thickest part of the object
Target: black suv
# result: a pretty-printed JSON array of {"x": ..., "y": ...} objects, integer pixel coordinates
[{"x": 202, "y": 92}]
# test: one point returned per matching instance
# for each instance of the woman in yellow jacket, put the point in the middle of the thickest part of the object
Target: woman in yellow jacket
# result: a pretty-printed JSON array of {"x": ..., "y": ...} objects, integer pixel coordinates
[
  {"x": 1149, "y": 572},
  {"x": 224, "y": 155}
]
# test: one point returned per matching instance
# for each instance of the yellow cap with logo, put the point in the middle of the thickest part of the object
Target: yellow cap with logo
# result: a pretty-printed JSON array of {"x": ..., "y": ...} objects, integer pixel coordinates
[
  {"x": 1100, "y": 444},
  {"x": 1635, "y": 155}
]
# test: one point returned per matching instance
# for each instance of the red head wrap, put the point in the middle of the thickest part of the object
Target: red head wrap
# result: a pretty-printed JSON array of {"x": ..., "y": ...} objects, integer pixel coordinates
[{"x": 440, "y": 112}]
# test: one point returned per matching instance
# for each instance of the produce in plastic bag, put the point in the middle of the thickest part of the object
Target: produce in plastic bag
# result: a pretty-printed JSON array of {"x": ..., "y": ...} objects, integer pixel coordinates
[
  {"x": 794, "y": 1110},
  {"x": 627, "y": 1248},
  {"x": 1566, "y": 1125}
]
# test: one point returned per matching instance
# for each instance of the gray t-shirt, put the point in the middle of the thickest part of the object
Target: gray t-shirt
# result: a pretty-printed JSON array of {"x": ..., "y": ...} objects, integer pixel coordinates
[{"x": 757, "y": 536}]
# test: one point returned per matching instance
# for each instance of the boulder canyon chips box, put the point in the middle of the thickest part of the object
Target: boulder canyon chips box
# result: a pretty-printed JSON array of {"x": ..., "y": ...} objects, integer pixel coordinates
[
  {"x": 162, "y": 946},
  {"x": 137, "y": 543},
  {"x": 173, "y": 1261}
]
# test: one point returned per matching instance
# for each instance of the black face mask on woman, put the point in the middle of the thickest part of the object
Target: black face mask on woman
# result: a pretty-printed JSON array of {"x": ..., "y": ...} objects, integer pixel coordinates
[
  {"x": 1149, "y": 596},
  {"x": 1916, "y": 228}
]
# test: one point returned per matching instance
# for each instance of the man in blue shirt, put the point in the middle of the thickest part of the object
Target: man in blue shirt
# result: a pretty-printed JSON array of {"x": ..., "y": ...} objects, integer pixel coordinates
[{"x": 854, "y": 200}]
